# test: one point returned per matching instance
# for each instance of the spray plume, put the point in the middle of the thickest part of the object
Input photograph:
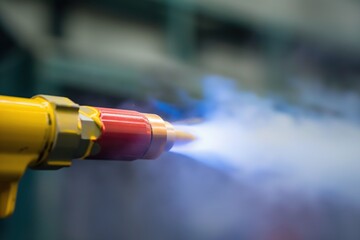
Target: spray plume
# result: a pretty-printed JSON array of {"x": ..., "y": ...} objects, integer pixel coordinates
[{"x": 276, "y": 147}]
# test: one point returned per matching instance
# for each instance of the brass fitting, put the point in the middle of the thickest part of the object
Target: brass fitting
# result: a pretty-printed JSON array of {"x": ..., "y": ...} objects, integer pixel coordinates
[{"x": 65, "y": 116}]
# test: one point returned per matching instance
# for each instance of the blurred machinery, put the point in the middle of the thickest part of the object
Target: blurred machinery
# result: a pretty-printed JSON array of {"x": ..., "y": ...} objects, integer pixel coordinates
[{"x": 47, "y": 132}]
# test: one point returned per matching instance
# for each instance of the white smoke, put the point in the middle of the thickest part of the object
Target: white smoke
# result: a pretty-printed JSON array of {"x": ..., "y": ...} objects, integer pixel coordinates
[{"x": 253, "y": 140}]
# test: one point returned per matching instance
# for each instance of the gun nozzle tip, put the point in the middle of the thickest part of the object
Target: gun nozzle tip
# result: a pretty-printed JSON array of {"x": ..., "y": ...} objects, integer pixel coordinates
[
  {"x": 177, "y": 137},
  {"x": 182, "y": 137}
]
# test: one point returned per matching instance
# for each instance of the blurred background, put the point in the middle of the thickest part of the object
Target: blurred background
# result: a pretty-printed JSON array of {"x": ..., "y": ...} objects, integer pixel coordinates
[{"x": 151, "y": 55}]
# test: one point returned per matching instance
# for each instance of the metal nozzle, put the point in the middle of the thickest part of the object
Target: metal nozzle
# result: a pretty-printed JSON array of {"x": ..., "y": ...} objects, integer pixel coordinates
[
  {"x": 164, "y": 136},
  {"x": 182, "y": 137},
  {"x": 176, "y": 137}
]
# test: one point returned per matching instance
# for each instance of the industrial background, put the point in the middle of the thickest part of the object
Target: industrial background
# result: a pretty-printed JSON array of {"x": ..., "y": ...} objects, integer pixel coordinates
[{"x": 151, "y": 55}]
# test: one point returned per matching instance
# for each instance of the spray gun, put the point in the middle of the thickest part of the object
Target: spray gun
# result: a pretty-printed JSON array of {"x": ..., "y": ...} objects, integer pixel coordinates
[{"x": 48, "y": 132}]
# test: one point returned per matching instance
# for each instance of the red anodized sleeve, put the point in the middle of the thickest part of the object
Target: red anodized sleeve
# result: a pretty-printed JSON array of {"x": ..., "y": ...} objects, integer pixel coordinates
[{"x": 126, "y": 135}]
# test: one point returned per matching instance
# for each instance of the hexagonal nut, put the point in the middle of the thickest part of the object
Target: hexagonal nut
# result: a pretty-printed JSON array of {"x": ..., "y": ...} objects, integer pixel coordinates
[{"x": 91, "y": 131}]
